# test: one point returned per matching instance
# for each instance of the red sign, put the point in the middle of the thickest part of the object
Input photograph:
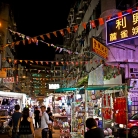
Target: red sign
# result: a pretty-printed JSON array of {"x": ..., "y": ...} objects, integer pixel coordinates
[{"x": 8, "y": 80}]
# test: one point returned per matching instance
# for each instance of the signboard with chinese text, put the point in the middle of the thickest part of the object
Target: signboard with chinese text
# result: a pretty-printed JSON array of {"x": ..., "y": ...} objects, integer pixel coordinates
[
  {"x": 3, "y": 74},
  {"x": 99, "y": 48},
  {"x": 121, "y": 29},
  {"x": 8, "y": 80}
]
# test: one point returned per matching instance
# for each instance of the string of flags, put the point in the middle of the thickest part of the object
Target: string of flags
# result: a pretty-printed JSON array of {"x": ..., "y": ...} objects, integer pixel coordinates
[
  {"x": 35, "y": 40},
  {"x": 101, "y": 21},
  {"x": 93, "y": 24},
  {"x": 15, "y": 61}
]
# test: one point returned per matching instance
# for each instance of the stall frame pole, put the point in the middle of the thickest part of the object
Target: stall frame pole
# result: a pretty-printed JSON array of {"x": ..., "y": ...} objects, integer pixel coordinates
[{"x": 126, "y": 95}]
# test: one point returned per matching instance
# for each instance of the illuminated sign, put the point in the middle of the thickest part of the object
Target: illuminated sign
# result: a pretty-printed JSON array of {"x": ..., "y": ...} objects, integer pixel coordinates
[
  {"x": 99, "y": 48},
  {"x": 8, "y": 80},
  {"x": 120, "y": 29},
  {"x": 54, "y": 86}
]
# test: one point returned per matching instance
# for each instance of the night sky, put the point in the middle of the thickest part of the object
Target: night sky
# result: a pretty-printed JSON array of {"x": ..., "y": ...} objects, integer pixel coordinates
[{"x": 40, "y": 17}]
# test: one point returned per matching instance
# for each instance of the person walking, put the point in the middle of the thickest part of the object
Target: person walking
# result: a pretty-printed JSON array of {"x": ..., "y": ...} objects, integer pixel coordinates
[
  {"x": 25, "y": 125},
  {"x": 45, "y": 122},
  {"x": 36, "y": 117},
  {"x": 50, "y": 117},
  {"x": 15, "y": 118}
]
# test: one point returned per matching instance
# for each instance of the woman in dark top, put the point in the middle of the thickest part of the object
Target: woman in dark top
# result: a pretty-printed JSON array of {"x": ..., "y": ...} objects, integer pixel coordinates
[
  {"x": 94, "y": 131},
  {"x": 50, "y": 118},
  {"x": 25, "y": 125}
]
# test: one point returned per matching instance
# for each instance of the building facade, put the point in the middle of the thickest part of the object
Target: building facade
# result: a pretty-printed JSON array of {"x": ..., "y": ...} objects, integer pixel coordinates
[
  {"x": 122, "y": 54},
  {"x": 7, "y": 21}
]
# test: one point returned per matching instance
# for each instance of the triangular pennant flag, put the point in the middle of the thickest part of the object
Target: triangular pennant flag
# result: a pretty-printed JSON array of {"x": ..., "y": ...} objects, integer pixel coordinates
[
  {"x": 93, "y": 24},
  {"x": 36, "y": 62},
  {"x": 23, "y": 42},
  {"x": 55, "y": 33},
  {"x": 35, "y": 39},
  {"x": 47, "y": 62},
  {"x": 12, "y": 44},
  {"x": 109, "y": 17},
  {"x": 17, "y": 43},
  {"x": 130, "y": 11},
  {"x": 21, "y": 61},
  {"x": 57, "y": 49},
  {"x": 15, "y": 61},
  {"x": 62, "y": 33},
  {"x": 48, "y": 35},
  {"x": 84, "y": 25},
  {"x": 41, "y": 62},
  {"x": 101, "y": 21},
  {"x": 75, "y": 28},
  {"x": 29, "y": 41},
  {"x": 26, "y": 61},
  {"x": 39, "y": 71},
  {"x": 119, "y": 15},
  {"x": 68, "y": 29},
  {"x": 42, "y": 37},
  {"x": 60, "y": 50}
]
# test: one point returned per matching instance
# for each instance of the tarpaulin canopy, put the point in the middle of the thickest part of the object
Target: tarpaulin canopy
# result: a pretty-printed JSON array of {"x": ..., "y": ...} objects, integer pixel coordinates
[{"x": 98, "y": 87}]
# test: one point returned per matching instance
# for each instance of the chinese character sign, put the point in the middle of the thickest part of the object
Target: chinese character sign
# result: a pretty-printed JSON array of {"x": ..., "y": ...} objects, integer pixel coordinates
[
  {"x": 99, "y": 49},
  {"x": 121, "y": 29},
  {"x": 8, "y": 80}
]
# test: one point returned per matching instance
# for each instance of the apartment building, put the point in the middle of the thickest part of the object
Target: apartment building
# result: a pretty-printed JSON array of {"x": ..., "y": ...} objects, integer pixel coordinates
[
  {"x": 80, "y": 41},
  {"x": 6, "y": 21}
]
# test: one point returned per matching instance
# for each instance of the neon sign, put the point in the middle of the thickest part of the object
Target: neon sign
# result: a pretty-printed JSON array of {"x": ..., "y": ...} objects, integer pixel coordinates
[{"x": 121, "y": 29}]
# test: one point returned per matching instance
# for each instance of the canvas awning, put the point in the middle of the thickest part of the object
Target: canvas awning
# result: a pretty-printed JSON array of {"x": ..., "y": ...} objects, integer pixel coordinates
[{"x": 96, "y": 87}]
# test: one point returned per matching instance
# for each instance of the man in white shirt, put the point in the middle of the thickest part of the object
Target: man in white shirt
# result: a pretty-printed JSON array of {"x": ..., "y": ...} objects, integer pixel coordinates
[{"x": 44, "y": 123}]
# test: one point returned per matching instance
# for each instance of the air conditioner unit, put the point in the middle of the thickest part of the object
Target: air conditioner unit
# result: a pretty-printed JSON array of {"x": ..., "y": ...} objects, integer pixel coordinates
[{"x": 135, "y": 69}]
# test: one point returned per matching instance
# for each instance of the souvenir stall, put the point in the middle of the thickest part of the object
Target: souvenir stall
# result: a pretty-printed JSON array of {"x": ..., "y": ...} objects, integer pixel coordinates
[
  {"x": 7, "y": 102},
  {"x": 63, "y": 111},
  {"x": 77, "y": 115},
  {"x": 102, "y": 104}
]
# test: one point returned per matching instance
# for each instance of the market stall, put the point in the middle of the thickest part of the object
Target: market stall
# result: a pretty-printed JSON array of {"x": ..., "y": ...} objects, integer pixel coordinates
[
  {"x": 7, "y": 102},
  {"x": 99, "y": 102}
]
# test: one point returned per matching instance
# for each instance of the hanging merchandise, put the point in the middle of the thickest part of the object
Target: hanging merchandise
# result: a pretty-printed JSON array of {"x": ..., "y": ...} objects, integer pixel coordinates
[{"x": 120, "y": 110}]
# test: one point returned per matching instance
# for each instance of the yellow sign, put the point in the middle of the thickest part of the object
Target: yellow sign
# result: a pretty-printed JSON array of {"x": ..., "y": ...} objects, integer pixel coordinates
[
  {"x": 3, "y": 74},
  {"x": 99, "y": 48}
]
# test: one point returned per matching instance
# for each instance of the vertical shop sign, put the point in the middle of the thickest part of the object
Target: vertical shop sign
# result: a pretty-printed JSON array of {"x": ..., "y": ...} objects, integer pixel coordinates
[{"x": 99, "y": 48}]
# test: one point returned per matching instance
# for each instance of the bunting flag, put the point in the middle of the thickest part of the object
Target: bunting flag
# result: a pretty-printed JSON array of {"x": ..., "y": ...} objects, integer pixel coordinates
[
  {"x": 62, "y": 32},
  {"x": 35, "y": 40},
  {"x": 74, "y": 28},
  {"x": 48, "y": 35},
  {"x": 55, "y": 33},
  {"x": 16, "y": 61}
]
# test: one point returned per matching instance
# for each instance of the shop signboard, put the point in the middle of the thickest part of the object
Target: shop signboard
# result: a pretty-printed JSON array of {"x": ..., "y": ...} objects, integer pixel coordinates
[
  {"x": 122, "y": 28},
  {"x": 54, "y": 86},
  {"x": 99, "y": 48},
  {"x": 3, "y": 74},
  {"x": 8, "y": 80}
]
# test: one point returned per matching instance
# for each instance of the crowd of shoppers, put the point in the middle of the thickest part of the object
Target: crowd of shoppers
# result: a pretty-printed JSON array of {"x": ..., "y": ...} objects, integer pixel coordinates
[{"x": 23, "y": 126}]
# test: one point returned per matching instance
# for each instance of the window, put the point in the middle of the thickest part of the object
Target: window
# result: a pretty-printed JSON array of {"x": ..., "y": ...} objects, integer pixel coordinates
[{"x": 57, "y": 74}]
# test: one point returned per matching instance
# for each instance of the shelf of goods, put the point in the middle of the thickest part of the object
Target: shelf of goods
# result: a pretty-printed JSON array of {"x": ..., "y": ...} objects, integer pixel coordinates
[
  {"x": 63, "y": 124},
  {"x": 77, "y": 120}
]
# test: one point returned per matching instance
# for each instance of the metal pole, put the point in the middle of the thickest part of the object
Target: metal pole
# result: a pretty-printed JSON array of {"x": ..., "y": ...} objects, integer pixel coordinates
[{"x": 126, "y": 94}]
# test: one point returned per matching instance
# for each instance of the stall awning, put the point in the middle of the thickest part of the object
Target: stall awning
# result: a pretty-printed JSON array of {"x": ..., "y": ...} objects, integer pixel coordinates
[
  {"x": 65, "y": 89},
  {"x": 99, "y": 87}
]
